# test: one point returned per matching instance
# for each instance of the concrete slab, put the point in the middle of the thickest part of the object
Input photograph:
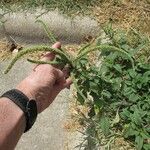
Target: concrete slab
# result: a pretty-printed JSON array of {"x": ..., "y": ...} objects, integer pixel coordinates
[{"x": 22, "y": 27}]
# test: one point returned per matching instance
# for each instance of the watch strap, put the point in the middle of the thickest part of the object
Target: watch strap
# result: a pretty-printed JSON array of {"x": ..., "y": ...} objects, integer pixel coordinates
[
  {"x": 22, "y": 101},
  {"x": 18, "y": 98}
]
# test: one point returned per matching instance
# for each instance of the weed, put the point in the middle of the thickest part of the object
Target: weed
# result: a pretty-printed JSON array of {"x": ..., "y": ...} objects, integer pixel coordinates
[
  {"x": 119, "y": 87},
  {"x": 121, "y": 95}
]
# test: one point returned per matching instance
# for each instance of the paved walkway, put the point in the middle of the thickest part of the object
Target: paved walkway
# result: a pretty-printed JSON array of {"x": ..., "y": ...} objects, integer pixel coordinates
[{"x": 22, "y": 27}]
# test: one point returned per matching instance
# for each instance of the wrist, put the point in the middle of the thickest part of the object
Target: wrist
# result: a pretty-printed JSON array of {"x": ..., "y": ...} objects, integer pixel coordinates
[
  {"x": 29, "y": 107},
  {"x": 26, "y": 90},
  {"x": 29, "y": 92},
  {"x": 12, "y": 111}
]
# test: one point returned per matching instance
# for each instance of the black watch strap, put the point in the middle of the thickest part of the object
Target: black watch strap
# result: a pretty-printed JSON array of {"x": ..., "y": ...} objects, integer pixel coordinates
[{"x": 28, "y": 106}]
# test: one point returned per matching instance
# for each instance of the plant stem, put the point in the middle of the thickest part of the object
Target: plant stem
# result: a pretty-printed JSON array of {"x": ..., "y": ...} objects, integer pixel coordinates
[
  {"x": 76, "y": 86},
  {"x": 53, "y": 40},
  {"x": 105, "y": 48}
]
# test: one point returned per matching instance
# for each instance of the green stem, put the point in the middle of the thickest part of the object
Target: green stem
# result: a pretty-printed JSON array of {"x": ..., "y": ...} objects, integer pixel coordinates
[
  {"x": 84, "y": 48},
  {"x": 76, "y": 86},
  {"x": 53, "y": 39},
  {"x": 105, "y": 48}
]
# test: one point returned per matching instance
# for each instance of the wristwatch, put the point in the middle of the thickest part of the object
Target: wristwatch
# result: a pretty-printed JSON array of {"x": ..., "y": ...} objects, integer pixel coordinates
[{"x": 29, "y": 107}]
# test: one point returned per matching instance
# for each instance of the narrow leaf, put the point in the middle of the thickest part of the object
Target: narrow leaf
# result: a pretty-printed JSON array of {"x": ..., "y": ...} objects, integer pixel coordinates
[
  {"x": 139, "y": 142},
  {"x": 117, "y": 118},
  {"x": 105, "y": 125}
]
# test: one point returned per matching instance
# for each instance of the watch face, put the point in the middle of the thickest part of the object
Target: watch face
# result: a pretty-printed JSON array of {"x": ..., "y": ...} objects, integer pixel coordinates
[{"x": 32, "y": 111}]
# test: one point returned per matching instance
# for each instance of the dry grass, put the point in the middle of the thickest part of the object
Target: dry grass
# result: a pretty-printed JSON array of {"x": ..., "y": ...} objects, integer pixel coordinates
[
  {"x": 125, "y": 14},
  {"x": 8, "y": 49},
  {"x": 121, "y": 144},
  {"x": 4, "y": 50}
]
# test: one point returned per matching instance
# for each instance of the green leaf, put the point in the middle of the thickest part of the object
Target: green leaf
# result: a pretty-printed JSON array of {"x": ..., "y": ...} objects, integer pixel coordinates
[
  {"x": 146, "y": 146},
  {"x": 117, "y": 118},
  {"x": 118, "y": 68},
  {"x": 96, "y": 109},
  {"x": 125, "y": 114},
  {"x": 132, "y": 73},
  {"x": 105, "y": 125},
  {"x": 140, "y": 47},
  {"x": 133, "y": 97},
  {"x": 93, "y": 85},
  {"x": 127, "y": 82},
  {"x": 145, "y": 135},
  {"x": 126, "y": 47},
  {"x": 139, "y": 142},
  {"x": 80, "y": 98},
  {"x": 127, "y": 90},
  {"x": 106, "y": 94},
  {"x": 136, "y": 117},
  {"x": 129, "y": 131},
  {"x": 104, "y": 69}
]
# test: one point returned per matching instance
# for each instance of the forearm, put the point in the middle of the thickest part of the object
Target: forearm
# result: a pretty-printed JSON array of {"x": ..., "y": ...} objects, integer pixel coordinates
[{"x": 12, "y": 124}]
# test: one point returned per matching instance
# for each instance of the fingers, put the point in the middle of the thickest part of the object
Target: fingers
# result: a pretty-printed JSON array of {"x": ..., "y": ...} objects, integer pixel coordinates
[
  {"x": 67, "y": 83},
  {"x": 66, "y": 71},
  {"x": 49, "y": 56},
  {"x": 62, "y": 80},
  {"x": 57, "y": 45},
  {"x": 59, "y": 76}
]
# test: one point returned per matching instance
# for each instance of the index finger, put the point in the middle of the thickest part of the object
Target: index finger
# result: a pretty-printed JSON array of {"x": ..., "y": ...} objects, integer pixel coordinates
[{"x": 49, "y": 56}]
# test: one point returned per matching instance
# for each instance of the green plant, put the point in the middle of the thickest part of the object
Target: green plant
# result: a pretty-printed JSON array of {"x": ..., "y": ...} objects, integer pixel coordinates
[
  {"x": 119, "y": 86},
  {"x": 121, "y": 93},
  {"x": 69, "y": 7}
]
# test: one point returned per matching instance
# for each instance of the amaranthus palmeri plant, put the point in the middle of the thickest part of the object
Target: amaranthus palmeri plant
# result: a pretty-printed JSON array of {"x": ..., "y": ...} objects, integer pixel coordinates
[
  {"x": 63, "y": 58},
  {"x": 119, "y": 86}
]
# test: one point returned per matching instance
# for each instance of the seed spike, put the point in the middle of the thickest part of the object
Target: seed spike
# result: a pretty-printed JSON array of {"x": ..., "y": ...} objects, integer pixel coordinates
[
  {"x": 34, "y": 49},
  {"x": 47, "y": 31},
  {"x": 44, "y": 62},
  {"x": 84, "y": 48}
]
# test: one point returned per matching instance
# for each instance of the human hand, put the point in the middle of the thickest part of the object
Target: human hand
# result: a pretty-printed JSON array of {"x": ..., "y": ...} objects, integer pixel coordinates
[{"x": 45, "y": 82}]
